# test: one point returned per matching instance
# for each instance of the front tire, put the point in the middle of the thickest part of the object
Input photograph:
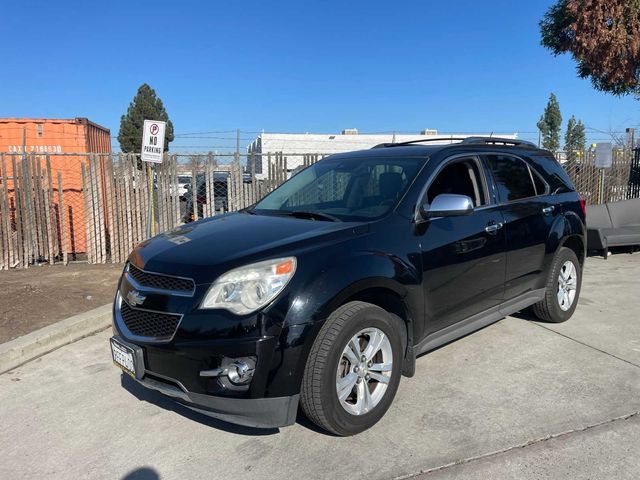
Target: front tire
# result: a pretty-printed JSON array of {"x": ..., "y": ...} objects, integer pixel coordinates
[
  {"x": 562, "y": 289},
  {"x": 353, "y": 370}
]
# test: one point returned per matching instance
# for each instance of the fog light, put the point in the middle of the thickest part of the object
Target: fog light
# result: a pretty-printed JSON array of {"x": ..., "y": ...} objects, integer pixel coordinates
[
  {"x": 240, "y": 372},
  {"x": 233, "y": 373}
]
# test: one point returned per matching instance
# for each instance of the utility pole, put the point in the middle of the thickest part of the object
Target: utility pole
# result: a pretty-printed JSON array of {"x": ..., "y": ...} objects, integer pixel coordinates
[
  {"x": 631, "y": 142},
  {"x": 238, "y": 149}
]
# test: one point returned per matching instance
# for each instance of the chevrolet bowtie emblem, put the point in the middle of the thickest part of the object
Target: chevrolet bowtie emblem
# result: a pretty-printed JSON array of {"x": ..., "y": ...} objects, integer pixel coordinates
[{"x": 135, "y": 298}]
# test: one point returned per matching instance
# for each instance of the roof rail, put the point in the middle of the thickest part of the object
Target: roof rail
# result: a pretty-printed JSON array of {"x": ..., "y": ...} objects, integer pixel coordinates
[
  {"x": 499, "y": 140},
  {"x": 424, "y": 140},
  {"x": 465, "y": 140}
]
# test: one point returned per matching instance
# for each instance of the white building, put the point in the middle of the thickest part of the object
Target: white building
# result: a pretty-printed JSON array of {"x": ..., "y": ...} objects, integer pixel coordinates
[{"x": 295, "y": 145}]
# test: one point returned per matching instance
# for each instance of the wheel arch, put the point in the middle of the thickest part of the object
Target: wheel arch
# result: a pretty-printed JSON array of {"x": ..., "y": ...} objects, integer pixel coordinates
[
  {"x": 394, "y": 303},
  {"x": 567, "y": 231},
  {"x": 577, "y": 244}
]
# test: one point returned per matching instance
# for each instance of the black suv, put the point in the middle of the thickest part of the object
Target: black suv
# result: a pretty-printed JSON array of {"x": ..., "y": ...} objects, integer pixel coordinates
[{"x": 324, "y": 292}]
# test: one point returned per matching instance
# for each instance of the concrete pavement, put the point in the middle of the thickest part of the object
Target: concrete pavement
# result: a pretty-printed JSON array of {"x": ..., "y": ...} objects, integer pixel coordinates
[
  {"x": 44, "y": 340},
  {"x": 518, "y": 399},
  {"x": 608, "y": 451}
]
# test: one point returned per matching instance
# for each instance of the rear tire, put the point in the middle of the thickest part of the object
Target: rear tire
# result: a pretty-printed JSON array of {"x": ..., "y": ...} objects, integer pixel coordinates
[
  {"x": 333, "y": 392},
  {"x": 562, "y": 289}
]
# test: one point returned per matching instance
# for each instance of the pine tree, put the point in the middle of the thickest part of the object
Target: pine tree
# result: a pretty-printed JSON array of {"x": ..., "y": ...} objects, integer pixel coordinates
[
  {"x": 579, "y": 136},
  {"x": 145, "y": 106},
  {"x": 574, "y": 139},
  {"x": 550, "y": 124}
]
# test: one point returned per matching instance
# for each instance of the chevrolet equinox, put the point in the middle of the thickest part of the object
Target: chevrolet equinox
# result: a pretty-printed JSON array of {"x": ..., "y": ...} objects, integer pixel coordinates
[{"x": 322, "y": 294}]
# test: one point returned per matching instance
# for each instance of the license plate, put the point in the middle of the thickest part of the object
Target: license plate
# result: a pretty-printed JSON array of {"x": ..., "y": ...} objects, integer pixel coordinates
[{"x": 123, "y": 357}]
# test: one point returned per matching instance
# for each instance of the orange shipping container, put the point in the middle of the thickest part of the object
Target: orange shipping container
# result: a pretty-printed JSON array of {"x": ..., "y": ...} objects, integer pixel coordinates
[{"x": 58, "y": 138}]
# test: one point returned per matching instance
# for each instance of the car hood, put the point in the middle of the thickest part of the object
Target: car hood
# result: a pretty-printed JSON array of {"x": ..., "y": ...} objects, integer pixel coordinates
[{"x": 204, "y": 250}]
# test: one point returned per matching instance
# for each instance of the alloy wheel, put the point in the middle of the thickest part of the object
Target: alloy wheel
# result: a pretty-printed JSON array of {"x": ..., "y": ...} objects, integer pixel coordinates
[
  {"x": 567, "y": 285},
  {"x": 364, "y": 371}
]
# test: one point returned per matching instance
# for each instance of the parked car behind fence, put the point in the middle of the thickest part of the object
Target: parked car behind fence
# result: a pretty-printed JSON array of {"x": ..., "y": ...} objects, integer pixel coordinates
[{"x": 220, "y": 194}]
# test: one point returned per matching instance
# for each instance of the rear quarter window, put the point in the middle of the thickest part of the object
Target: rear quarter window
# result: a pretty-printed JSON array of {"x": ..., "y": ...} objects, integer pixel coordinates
[{"x": 552, "y": 172}]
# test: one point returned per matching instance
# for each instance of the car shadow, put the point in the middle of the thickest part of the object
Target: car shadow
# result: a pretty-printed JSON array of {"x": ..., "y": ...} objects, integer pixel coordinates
[
  {"x": 156, "y": 398},
  {"x": 142, "y": 473},
  {"x": 303, "y": 421},
  {"x": 528, "y": 315}
]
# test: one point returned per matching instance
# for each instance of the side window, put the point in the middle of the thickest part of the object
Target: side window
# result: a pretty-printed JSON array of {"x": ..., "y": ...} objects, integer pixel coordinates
[
  {"x": 555, "y": 175},
  {"x": 538, "y": 183},
  {"x": 513, "y": 178},
  {"x": 460, "y": 177}
]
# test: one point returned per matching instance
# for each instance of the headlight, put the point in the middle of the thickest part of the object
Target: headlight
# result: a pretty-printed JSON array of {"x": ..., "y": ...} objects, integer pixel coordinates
[{"x": 246, "y": 289}]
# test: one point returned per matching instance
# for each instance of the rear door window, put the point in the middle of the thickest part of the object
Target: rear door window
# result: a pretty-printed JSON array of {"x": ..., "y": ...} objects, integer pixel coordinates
[{"x": 513, "y": 178}]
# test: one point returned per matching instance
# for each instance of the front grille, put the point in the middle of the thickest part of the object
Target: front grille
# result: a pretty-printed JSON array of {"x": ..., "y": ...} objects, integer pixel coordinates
[
  {"x": 162, "y": 282},
  {"x": 143, "y": 323}
]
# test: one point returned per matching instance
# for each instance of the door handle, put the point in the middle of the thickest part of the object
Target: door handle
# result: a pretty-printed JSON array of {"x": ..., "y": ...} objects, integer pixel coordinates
[
  {"x": 493, "y": 227},
  {"x": 548, "y": 210}
]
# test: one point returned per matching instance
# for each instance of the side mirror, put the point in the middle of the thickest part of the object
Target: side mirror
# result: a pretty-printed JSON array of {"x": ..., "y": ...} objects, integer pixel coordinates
[{"x": 447, "y": 205}]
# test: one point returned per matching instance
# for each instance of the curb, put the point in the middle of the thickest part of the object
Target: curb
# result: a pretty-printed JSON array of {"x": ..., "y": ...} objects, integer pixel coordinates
[{"x": 35, "y": 344}]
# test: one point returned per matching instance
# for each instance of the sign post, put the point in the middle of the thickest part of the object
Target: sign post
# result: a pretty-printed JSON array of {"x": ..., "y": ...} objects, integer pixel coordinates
[
  {"x": 604, "y": 160},
  {"x": 152, "y": 152}
]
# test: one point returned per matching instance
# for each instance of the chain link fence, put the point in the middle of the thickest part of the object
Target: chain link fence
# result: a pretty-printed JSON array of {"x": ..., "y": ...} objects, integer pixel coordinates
[
  {"x": 59, "y": 208},
  {"x": 601, "y": 185}
]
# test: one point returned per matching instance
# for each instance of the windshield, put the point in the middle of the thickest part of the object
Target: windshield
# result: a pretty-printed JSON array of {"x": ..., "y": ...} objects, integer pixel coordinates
[{"x": 348, "y": 189}]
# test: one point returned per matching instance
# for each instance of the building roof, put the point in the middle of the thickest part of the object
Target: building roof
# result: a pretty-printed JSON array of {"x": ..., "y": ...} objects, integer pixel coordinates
[
  {"x": 303, "y": 143},
  {"x": 73, "y": 121}
]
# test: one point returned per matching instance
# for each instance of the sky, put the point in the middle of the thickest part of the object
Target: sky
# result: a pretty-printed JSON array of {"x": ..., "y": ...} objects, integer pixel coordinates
[{"x": 296, "y": 66}]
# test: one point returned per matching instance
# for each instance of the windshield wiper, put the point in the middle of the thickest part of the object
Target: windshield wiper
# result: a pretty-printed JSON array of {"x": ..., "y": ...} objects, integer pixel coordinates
[{"x": 313, "y": 215}]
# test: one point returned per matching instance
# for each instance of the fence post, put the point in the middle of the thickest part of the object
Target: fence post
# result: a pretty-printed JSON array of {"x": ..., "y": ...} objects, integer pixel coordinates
[
  {"x": 36, "y": 195},
  {"x": 87, "y": 214},
  {"x": 48, "y": 206},
  {"x": 28, "y": 225},
  {"x": 63, "y": 230},
  {"x": 4, "y": 231},
  {"x": 207, "y": 186},
  {"x": 176, "y": 198},
  {"x": 253, "y": 179},
  {"x": 112, "y": 225}
]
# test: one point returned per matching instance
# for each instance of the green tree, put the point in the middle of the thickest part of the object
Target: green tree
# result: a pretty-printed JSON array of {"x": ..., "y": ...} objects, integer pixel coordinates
[
  {"x": 575, "y": 140},
  {"x": 602, "y": 36},
  {"x": 145, "y": 106},
  {"x": 550, "y": 124}
]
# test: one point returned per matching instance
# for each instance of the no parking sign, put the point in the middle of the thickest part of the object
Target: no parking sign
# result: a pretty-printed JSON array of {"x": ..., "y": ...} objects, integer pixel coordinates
[
  {"x": 604, "y": 155},
  {"x": 153, "y": 141}
]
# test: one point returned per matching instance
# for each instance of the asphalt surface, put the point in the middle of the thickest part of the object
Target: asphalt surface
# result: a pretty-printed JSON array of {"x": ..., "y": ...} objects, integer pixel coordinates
[{"x": 518, "y": 399}]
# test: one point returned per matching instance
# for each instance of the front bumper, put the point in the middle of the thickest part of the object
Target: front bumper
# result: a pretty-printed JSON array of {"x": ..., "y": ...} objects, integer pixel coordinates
[
  {"x": 251, "y": 412},
  {"x": 270, "y": 412}
]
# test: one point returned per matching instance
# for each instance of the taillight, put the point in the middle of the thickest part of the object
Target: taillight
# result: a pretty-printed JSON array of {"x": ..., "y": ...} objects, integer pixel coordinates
[{"x": 583, "y": 206}]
